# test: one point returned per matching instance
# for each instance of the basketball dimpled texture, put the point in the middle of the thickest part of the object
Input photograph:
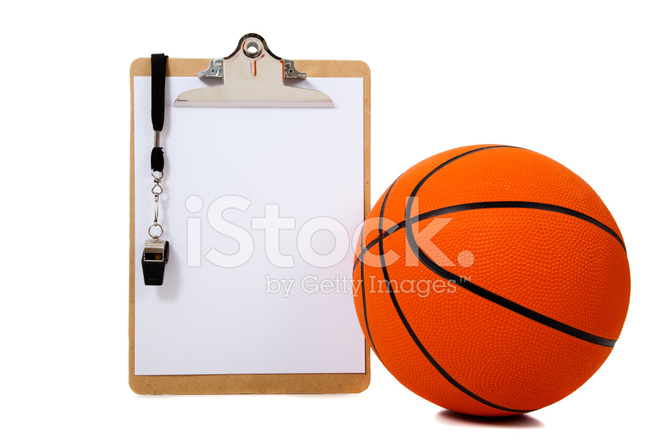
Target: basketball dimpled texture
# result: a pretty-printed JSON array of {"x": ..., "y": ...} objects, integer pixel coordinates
[{"x": 499, "y": 288}]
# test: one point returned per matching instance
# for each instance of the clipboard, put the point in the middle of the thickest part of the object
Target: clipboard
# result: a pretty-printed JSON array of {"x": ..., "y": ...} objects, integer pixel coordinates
[{"x": 234, "y": 383}]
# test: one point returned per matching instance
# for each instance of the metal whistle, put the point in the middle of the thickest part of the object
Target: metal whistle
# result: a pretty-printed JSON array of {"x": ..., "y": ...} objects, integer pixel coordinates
[{"x": 154, "y": 258}]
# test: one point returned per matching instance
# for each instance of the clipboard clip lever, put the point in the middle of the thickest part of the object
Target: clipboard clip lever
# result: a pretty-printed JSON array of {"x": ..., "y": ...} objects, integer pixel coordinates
[{"x": 253, "y": 77}]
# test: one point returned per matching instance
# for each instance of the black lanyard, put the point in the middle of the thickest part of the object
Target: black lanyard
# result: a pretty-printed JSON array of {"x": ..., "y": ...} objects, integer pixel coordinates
[
  {"x": 158, "y": 65},
  {"x": 156, "y": 251}
]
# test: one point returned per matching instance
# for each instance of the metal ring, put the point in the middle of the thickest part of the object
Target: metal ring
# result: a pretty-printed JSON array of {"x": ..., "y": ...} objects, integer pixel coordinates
[
  {"x": 154, "y": 235},
  {"x": 159, "y": 178}
]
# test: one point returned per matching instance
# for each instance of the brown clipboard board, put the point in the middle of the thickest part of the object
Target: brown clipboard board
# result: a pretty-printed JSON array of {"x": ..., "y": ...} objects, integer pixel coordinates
[{"x": 247, "y": 383}]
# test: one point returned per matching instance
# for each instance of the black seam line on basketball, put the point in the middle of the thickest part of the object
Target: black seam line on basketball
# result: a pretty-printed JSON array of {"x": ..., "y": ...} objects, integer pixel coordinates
[
  {"x": 524, "y": 205},
  {"x": 380, "y": 230},
  {"x": 375, "y": 241},
  {"x": 412, "y": 333},
  {"x": 492, "y": 205},
  {"x": 455, "y": 158},
  {"x": 403, "y": 223},
  {"x": 364, "y": 302},
  {"x": 480, "y": 291}
]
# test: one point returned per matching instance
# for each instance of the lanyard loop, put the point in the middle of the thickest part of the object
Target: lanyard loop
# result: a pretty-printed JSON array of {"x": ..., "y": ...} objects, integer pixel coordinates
[
  {"x": 156, "y": 252},
  {"x": 158, "y": 72},
  {"x": 158, "y": 64}
]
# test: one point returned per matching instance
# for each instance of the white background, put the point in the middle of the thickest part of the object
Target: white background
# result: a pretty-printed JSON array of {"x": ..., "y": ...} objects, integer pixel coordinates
[{"x": 575, "y": 80}]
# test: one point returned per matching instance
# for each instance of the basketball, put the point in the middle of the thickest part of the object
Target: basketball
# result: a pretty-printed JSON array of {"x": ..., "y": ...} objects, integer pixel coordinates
[{"x": 491, "y": 280}]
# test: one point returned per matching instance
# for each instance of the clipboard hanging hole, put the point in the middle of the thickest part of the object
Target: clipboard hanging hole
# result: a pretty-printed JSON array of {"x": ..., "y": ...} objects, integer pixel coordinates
[{"x": 252, "y": 48}]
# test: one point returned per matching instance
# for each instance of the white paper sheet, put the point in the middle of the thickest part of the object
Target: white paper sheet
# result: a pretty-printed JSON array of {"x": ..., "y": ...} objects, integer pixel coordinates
[{"x": 261, "y": 317}]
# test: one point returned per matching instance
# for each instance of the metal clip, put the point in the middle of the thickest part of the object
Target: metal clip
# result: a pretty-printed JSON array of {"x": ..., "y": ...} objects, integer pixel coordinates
[
  {"x": 253, "y": 77},
  {"x": 214, "y": 71},
  {"x": 216, "y": 68}
]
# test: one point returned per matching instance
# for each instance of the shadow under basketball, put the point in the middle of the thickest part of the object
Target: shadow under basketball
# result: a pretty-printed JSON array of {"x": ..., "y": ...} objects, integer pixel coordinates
[{"x": 519, "y": 421}]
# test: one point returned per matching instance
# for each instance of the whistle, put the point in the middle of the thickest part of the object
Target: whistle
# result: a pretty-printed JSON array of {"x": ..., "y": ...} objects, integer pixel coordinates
[{"x": 154, "y": 258}]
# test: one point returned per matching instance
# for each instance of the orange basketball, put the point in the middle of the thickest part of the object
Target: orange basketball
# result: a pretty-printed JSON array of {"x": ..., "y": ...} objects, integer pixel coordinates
[{"x": 491, "y": 280}]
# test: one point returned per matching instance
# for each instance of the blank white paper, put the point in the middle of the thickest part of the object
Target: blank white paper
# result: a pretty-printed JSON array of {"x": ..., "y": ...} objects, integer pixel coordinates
[{"x": 286, "y": 307}]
